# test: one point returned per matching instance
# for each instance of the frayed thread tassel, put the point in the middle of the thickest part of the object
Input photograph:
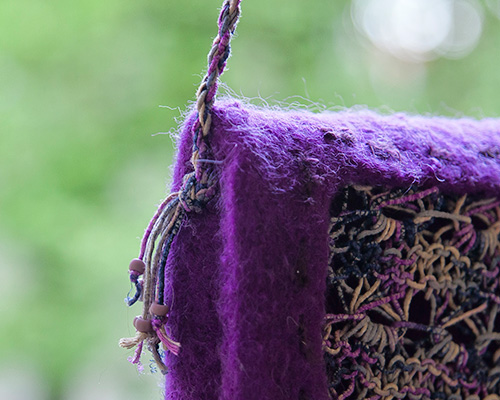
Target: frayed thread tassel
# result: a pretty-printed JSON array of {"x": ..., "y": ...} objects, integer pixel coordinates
[
  {"x": 171, "y": 345},
  {"x": 150, "y": 264}
]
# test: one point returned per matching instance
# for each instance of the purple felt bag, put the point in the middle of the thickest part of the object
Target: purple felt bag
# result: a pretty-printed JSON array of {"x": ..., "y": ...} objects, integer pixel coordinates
[{"x": 345, "y": 255}]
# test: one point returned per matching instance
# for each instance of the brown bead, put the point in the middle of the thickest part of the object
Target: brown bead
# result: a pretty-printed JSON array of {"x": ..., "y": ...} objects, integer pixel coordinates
[
  {"x": 143, "y": 325},
  {"x": 158, "y": 309},
  {"x": 137, "y": 266}
]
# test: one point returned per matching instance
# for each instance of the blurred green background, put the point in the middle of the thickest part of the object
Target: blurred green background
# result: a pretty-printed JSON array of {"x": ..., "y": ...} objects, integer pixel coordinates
[{"x": 81, "y": 170}]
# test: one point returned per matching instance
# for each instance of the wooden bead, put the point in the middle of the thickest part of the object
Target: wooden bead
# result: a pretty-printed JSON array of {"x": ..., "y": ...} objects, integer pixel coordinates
[
  {"x": 158, "y": 309},
  {"x": 137, "y": 265},
  {"x": 143, "y": 325}
]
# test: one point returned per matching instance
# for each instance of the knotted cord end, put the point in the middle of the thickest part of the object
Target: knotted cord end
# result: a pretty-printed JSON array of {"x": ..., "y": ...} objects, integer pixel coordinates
[
  {"x": 151, "y": 264},
  {"x": 130, "y": 343}
]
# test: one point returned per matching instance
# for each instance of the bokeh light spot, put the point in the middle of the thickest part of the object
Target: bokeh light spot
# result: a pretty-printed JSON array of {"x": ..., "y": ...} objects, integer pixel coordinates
[{"x": 420, "y": 30}]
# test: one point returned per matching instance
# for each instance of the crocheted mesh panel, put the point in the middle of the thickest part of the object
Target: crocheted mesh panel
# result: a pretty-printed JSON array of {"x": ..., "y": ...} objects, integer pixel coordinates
[{"x": 412, "y": 296}]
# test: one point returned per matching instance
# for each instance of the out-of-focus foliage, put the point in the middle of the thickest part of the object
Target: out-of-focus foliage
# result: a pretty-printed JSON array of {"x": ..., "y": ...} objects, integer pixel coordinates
[{"x": 80, "y": 86}]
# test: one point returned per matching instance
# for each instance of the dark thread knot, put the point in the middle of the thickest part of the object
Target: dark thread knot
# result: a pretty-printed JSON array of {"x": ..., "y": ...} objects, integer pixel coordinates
[{"x": 195, "y": 194}]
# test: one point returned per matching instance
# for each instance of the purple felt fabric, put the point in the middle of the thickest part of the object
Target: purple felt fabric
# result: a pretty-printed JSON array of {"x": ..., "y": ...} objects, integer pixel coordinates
[{"x": 248, "y": 275}]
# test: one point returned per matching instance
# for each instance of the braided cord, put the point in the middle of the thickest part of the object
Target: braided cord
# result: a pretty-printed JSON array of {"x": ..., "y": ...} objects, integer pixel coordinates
[
  {"x": 217, "y": 59},
  {"x": 197, "y": 189}
]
